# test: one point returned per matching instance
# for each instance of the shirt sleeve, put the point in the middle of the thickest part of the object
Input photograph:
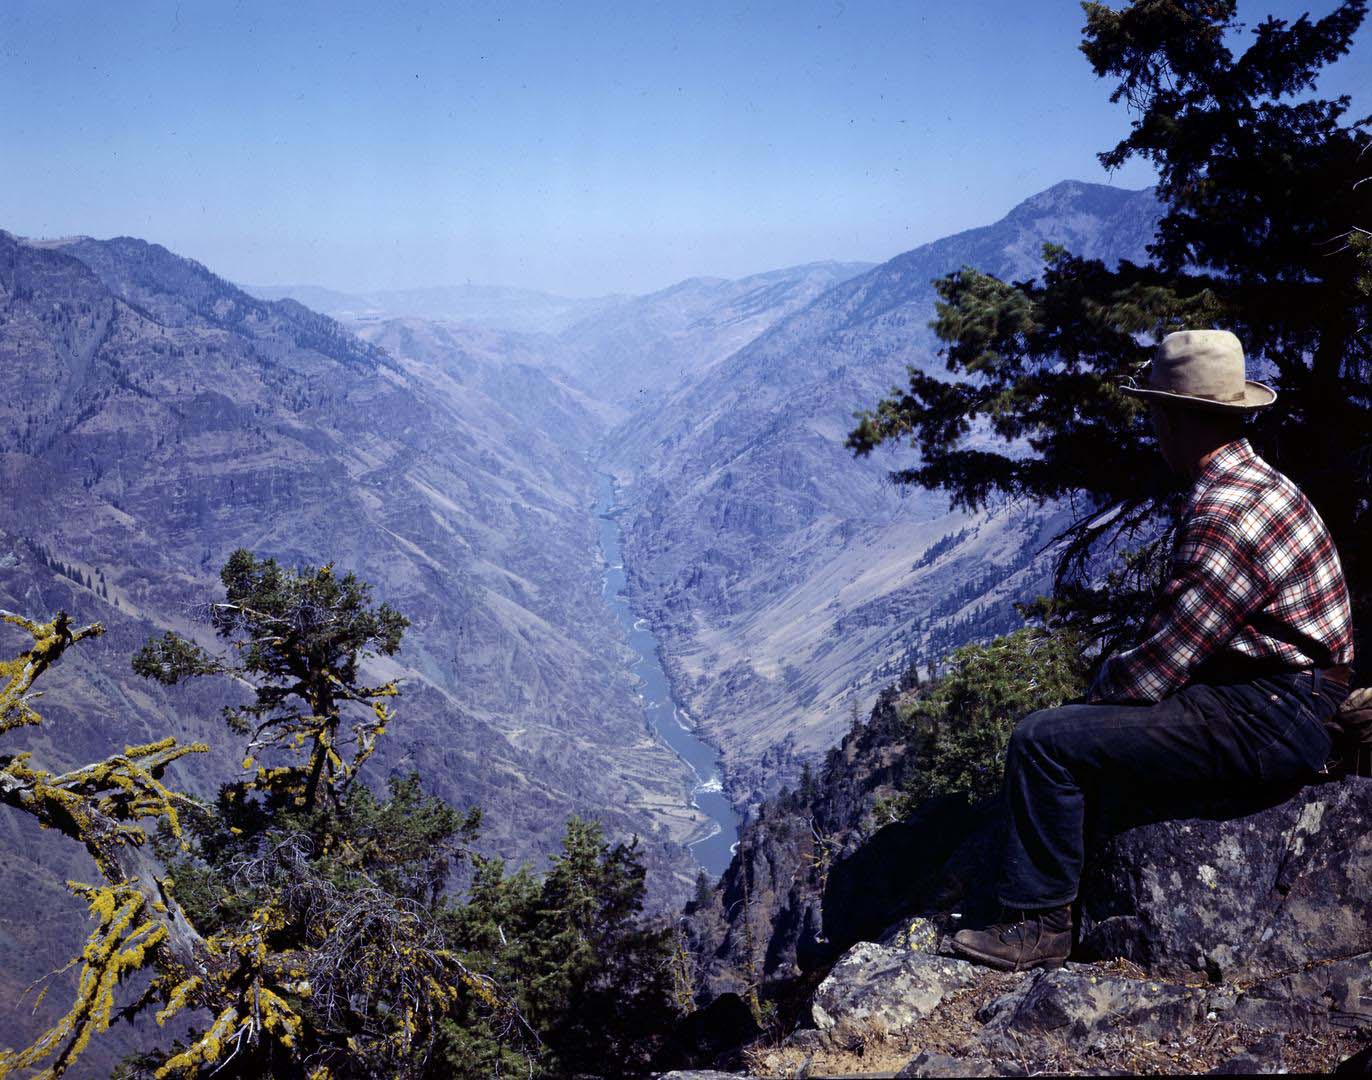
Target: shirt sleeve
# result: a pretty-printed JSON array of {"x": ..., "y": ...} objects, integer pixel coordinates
[{"x": 1214, "y": 586}]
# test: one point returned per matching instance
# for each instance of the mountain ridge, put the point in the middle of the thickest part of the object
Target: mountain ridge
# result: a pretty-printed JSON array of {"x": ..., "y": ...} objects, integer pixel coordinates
[
  {"x": 749, "y": 524},
  {"x": 143, "y": 439}
]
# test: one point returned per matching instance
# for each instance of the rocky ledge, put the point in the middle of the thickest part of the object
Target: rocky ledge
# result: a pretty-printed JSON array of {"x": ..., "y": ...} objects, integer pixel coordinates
[{"x": 1234, "y": 937}]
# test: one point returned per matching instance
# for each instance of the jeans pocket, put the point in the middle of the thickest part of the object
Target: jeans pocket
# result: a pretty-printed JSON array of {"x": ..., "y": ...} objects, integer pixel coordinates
[{"x": 1300, "y": 746}]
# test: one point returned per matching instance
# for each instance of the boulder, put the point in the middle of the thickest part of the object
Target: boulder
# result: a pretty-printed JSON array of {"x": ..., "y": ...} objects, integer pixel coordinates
[
  {"x": 702, "y": 1074},
  {"x": 918, "y": 935},
  {"x": 1241, "y": 919},
  {"x": 1311, "y": 1000},
  {"x": 931, "y": 1063},
  {"x": 1238, "y": 892},
  {"x": 1073, "y": 1007},
  {"x": 1239, "y": 888},
  {"x": 878, "y": 990}
]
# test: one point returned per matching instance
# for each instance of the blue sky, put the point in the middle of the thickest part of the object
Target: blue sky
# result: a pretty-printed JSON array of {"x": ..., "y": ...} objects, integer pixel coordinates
[{"x": 578, "y": 148}]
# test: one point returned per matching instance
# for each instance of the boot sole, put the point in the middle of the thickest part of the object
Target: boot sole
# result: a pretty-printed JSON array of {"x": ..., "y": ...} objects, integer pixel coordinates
[{"x": 1048, "y": 963}]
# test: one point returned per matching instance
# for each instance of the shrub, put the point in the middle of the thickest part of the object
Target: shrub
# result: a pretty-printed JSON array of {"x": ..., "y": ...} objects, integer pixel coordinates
[{"x": 961, "y": 722}]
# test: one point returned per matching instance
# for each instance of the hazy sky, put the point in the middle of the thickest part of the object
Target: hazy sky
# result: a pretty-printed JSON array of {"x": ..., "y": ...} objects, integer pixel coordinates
[{"x": 574, "y": 147}]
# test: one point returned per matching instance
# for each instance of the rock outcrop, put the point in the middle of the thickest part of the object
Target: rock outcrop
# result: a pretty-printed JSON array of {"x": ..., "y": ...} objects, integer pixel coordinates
[
  {"x": 1237, "y": 893},
  {"x": 1228, "y": 935},
  {"x": 884, "y": 991}
]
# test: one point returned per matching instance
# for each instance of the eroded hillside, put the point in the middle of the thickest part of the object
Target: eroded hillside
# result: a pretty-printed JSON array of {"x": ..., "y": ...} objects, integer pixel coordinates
[
  {"x": 153, "y": 418},
  {"x": 787, "y": 579}
]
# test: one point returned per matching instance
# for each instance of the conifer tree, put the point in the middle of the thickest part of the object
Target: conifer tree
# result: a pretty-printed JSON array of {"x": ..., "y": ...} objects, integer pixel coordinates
[
  {"x": 587, "y": 972},
  {"x": 302, "y": 916},
  {"x": 347, "y": 885},
  {"x": 1267, "y": 206},
  {"x": 297, "y": 640}
]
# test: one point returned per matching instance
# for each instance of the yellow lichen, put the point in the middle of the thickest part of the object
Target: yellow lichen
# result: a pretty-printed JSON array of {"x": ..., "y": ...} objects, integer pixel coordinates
[
  {"x": 204, "y": 1050},
  {"x": 50, "y": 641},
  {"x": 99, "y": 805},
  {"x": 114, "y": 949},
  {"x": 176, "y": 1000}
]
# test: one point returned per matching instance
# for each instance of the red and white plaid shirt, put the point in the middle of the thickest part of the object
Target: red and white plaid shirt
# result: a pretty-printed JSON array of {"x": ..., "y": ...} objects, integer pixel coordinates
[{"x": 1254, "y": 576}]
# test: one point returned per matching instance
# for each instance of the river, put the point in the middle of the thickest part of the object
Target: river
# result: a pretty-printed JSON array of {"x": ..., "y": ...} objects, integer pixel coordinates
[{"x": 660, "y": 710}]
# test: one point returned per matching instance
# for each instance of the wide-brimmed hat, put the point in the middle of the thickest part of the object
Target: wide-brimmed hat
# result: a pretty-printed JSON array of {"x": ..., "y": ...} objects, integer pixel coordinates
[{"x": 1203, "y": 369}]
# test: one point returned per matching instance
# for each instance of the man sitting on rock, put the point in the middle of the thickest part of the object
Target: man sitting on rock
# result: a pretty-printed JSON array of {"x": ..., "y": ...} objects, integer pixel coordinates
[{"x": 1245, "y": 657}]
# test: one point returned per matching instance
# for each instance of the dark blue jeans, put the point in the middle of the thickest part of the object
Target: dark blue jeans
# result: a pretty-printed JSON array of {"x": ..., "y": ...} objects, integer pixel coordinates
[{"x": 1267, "y": 733}]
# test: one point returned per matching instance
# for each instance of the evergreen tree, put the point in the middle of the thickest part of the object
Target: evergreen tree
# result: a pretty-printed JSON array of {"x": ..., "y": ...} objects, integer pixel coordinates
[
  {"x": 298, "y": 640},
  {"x": 1264, "y": 232},
  {"x": 341, "y": 892},
  {"x": 300, "y": 926},
  {"x": 960, "y": 723},
  {"x": 703, "y": 889},
  {"x": 588, "y": 974}
]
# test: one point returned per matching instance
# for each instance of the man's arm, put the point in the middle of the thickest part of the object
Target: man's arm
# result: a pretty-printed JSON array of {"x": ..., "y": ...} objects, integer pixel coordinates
[{"x": 1215, "y": 585}]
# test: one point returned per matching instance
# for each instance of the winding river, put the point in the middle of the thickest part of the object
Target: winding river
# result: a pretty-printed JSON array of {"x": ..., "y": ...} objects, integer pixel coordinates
[{"x": 659, "y": 709}]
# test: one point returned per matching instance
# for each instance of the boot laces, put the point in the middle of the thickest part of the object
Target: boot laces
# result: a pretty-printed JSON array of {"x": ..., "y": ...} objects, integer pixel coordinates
[{"x": 1016, "y": 930}]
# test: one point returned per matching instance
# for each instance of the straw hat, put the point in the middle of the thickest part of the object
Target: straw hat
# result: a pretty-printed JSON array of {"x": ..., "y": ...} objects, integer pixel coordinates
[{"x": 1204, "y": 369}]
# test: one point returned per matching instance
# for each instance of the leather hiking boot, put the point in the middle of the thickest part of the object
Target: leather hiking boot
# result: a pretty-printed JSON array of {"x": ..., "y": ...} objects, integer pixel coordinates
[{"x": 1036, "y": 939}]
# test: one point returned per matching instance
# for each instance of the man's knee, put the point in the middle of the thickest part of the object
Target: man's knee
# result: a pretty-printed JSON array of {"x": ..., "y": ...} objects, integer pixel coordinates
[
  {"x": 1032, "y": 730},
  {"x": 1043, "y": 729}
]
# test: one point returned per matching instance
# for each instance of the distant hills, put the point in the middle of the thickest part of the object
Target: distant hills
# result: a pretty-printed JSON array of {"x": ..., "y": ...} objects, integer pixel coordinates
[
  {"x": 633, "y": 352},
  {"x": 624, "y": 350},
  {"x": 494, "y": 306}
]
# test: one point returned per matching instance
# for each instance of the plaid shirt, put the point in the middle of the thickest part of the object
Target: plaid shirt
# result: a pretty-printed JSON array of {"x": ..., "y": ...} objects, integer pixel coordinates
[{"x": 1254, "y": 577}]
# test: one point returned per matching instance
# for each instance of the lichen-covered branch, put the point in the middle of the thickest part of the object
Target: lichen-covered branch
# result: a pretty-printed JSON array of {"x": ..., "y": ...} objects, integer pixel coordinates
[
  {"x": 308, "y": 925},
  {"x": 50, "y": 640},
  {"x": 139, "y": 922}
]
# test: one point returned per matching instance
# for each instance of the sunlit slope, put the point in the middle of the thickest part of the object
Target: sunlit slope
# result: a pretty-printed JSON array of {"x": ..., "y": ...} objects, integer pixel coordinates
[
  {"x": 780, "y": 571},
  {"x": 153, "y": 418}
]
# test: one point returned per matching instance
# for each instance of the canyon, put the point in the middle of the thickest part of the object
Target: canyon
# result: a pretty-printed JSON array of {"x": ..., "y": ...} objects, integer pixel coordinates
[{"x": 154, "y": 417}]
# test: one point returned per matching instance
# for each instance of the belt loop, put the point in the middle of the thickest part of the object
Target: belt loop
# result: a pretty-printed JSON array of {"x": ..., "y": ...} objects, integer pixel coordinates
[{"x": 1316, "y": 681}]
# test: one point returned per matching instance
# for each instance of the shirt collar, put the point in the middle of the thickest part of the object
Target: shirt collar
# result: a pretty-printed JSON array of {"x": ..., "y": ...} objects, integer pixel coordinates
[{"x": 1229, "y": 456}]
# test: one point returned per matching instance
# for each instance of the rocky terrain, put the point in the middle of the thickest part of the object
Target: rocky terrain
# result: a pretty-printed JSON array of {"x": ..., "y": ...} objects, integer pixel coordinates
[
  {"x": 788, "y": 581},
  {"x": 1220, "y": 931}
]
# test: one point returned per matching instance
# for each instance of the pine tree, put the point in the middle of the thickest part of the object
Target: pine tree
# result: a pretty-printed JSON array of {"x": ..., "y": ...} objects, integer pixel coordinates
[
  {"x": 960, "y": 723},
  {"x": 1264, "y": 233},
  {"x": 590, "y": 976},
  {"x": 703, "y": 889},
  {"x": 334, "y": 886},
  {"x": 298, "y": 640}
]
